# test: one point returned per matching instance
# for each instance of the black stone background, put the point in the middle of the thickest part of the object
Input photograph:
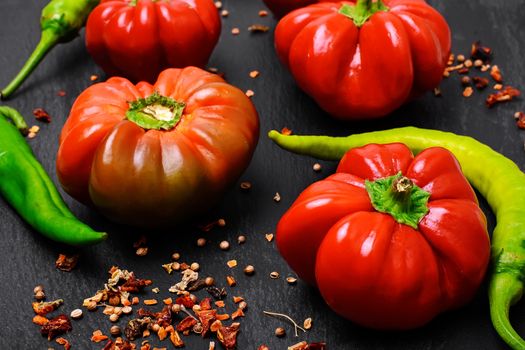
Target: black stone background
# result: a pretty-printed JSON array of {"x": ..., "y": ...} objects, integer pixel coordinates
[{"x": 28, "y": 259}]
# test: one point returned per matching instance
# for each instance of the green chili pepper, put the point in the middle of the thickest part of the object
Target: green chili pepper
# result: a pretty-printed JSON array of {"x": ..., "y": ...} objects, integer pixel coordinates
[
  {"x": 60, "y": 22},
  {"x": 496, "y": 177},
  {"x": 28, "y": 188}
]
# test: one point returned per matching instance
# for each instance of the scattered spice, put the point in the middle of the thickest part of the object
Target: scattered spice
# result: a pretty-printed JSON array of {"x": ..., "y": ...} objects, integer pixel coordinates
[
  {"x": 263, "y": 13},
  {"x": 505, "y": 95},
  {"x": 258, "y": 28},
  {"x": 76, "y": 314},
  {"x": 237, "y": 314},
  {"x": 135, "y": 327},
  {"x": 188, "y": 276},
  {"x": 468, "y": 91},
  {"x": 254, "y": 74},
  {"x": 217, "y": 293},
  {"x": 228, "y": 336},
  {"x": 236, "y": 31},
  {"x": 249, "y": 270},
  {"x": 468, "y": 63},
  {"x": 288, "y": 318},
  {"x": 218, "y": 4},
  {"x": 307, "y": 324},
  {"x": 231, "y": 281},
  {"x": 93, "y": 77},
  {"x": 209, "y": 281},
  {"x": 61, "y": 93},
  {"x": 317, "y": 167},
  {"x": 225, "y": 13},
  {"x": 64, "y": 343},
  {"x": 465, "y": 81},
  {"x": 201, "y": 242},
  {"x": 478, "y": 63},
  {"x": 195, "y": 266},
  {"x": 176, "y": 340},
  {"x": 142, "y": 251},
  {"x": 480, "y": 52},
  {"x": 224, "y": 245},
  {"x": 41, "y": 115},
  {"x": 241, "y": 239},
  {"x": 274, "y": 275},
  {"x": 269, "y": 237},
  {"x": 280, "y": 332},
  {"x": 56, "y": 326},
  {"x": 460, "y": 58},
  {"x": 44, "y": 307},
  {"x": 39, "y": 293},
  {"x": 245, "y": 185},
  {"x": 231, "y": 263},
  {"x": 286, "y": 131},
  {"x": 520, "y": 119},
  {"x": 495, "y": 73},
  {"x": 66, "y": 262},
  {"x": 221, "y": 222},
  {"x": 277, "y": 197},
  {"x": 114, "y": 317},
  {"x": 291, "y": 280},
  {"x": 175, "y": 256},
  {"x": 498, "y": 87},
  {"x": 480, "y": 83},
  {"x": 437, "y": 92},
  {"x": 250, "y": 93},
  {"x": 299, "y": 346},
  {"x": 115, "y": 330},
  {"x": 40, "y": 320}
]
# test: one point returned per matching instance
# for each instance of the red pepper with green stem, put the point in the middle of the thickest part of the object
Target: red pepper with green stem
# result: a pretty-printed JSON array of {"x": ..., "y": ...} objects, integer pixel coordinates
[
  {"x": 60, "y": 22},
  {"x": 496, "y": 177},
  {"x": 364, "y": 59}
]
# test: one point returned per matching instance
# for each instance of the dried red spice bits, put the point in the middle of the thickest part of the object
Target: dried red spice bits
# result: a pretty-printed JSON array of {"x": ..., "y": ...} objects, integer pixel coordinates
[
  {"x": 41, "y": 115},
  {"x": 507, "y": 94},
  {"x": 66, "y": 262},
  {"x": 56, "y": 326}
]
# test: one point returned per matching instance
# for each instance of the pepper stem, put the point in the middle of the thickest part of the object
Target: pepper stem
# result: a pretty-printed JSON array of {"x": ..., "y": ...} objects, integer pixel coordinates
[
  {"x": 398, "y": 196},
  {"x": 47, "y": 41},
  {"x": 155, "y": 112},
  {"x": 362, "y": 10},
  {"x": 17, "y": 119}
]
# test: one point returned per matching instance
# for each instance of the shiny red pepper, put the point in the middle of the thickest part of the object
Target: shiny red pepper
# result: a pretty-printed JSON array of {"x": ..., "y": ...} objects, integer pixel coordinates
[
  {"x": 366, "y": 59},
  {"x": 137, "y": 39},
  {"x": 390, "y": 240}
]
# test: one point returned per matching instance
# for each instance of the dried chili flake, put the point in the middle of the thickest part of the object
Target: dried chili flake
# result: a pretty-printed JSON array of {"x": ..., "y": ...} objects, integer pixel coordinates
[
  {"x": 135, "y": 327},
  {"x": 317, "y": 346},
  {"x": 64, "y": 342},
  {"x": 56, "y": 326},
  {"x": 119, "y": 344},
  {"x": 495, "y": 73},
  {"x": 40, "y": 320},
  {"x": 468, "y": 91},
  {"x": 258, "y": 28},
  {"x": 186, "y": 324},
  {"x": 263, "y": 347},
  {"x": 263, "y": 13},
  {"x": 480, "y": 83},
  {"x": 463, "y": 70},
  {"x": 163, "y": 317},
  {"x": 206, "y": 318},
  {"x": 41, "y": 115},
  {"x": 196, "y": 285},
  {"x": 299, "y": 346},
  {"x": 215, "y": 326},
  {"x": 150, "y": 302},
  {"x": 186, "y": 301},
  {"x": 217, "y": 293},
  {"x": 98, "y": 336},
  {"x": 219, "y": 303},
  {"x": 162, "y": 334},
  {"x": 505, "y": 95},
  {"x": 205, "y": 304},
  {"x": 285, "y": 131},
  {"x": 520, "y": 120},
  {"x": 223, "y": 317},
  {"x": 176, "y": 340},
  {"x": 134, "y": 285},
  {"x": 61, "y": 93},
  {"x": 238, "y": 313},
  {"x": 142, "y": 313},
  {"x": 479, "y": 52},
  {"x": 45, "y": 307},
  {"x": 231, "y": 281},
  {"x": 66, "y": 262},
  {"x": 228, "y": 336}
]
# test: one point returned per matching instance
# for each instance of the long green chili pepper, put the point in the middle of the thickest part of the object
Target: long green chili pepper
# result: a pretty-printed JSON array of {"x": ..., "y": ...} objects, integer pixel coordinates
[
  {"x": 27, "y": 187},
  {"x": 60, "y": 22},
  {"x": 496, "y": 177}
]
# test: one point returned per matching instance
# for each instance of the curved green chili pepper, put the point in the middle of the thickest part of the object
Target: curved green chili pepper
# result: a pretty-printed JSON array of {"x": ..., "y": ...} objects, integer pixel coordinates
[
  {"x": 60, "y": 22},
  {"x": 28, "y": 188},
  {"x": 496, "y": 177}
]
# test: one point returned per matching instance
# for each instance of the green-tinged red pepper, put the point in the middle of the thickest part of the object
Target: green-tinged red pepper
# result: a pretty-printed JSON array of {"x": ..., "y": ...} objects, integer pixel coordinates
[
  {"x": 60, "y": 22},
  {"x": 364, "y": 59},
  {"x": 496, "y": 177},
  {"x": 391, "y": 240},
  {"x": 157, "y": 155},
  {"x": 26, "y": 186}
]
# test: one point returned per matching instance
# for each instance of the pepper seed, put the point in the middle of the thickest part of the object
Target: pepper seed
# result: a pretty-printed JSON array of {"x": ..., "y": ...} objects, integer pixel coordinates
[
  {"x": 196, "y": 308},
  {"x": 175, "y": 256},
  {"x": 175, "y": 308},
  {"x": 115, "y": 330},
  {"x": 114, "y": 317},
  {"x": 127, "y": 310},
  {"x": 241, "y": 239},
  {"x": 195, "y": 266},
  {"x": 317, "y": 167},
  {"x": 274, "y": 275},
  {"x": 209, "y": 281},
  {"x": 245, "y": 185},
  {"x": 221, "y": 222},
  {"x": 201, "y": 242},
  {"x": 461, "y": 58},
  {"x": 91, "y": 305},
  {"x": 478, "y": 63},
  {"x": 76, "y": 314},
  {"x": 277, "y": 197},
  {"x": 40, "y": 295},
  {"x": 243, "y": 305},
  {"x": 280, "y": 332},
  {"x": 224, "y": 245},
  {"x": 155, "y": 328},
  {"x": 142, "y": 251},
  {"x": 249, "y": 270},
  {"x": 175, "y": 266},
  {"x": 291, "y": 280}
]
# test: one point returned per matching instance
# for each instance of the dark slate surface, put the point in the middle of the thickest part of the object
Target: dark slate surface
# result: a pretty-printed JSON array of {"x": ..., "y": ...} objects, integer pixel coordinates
[{"x": 27, "y": 259}]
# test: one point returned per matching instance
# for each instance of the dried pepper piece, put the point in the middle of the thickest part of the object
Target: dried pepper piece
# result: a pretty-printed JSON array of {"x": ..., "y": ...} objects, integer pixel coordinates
[
  {"x": 134, "y": 285},
  {"x": 40, "y": 320},
  {"x": 186, "y": 301},
  {"x": 64, "y": 342},
  {"x": 505, "y": 95},
  {"x": 205, "y": 304},
  {"x": 228, "y": 336},
  {"x": 119, "y": 344},
  {"x": 66, "y": 262},
  {"x": 217, "y": 293},
  {"x": 186, "y": 324},
  {"x": 56, "y": 326},
  {"x": 41, "y": 115},
  {"x": 45, "y": 307},
  {"x": 206, "y": 318},
  {"x": 164, "y": 317},
  {"x": 176, "y": 340},
  {"x": 317, "y": 346},
  {"x": 135, "y": 327}
]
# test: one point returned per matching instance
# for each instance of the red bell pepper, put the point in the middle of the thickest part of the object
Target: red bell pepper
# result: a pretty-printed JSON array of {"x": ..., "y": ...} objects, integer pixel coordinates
[
  {"x": 137, "y": 39},
  {"x": 157, "y": 155},
  {"x": 390, "y": 240},
  {"x": 364, "y": 60}
]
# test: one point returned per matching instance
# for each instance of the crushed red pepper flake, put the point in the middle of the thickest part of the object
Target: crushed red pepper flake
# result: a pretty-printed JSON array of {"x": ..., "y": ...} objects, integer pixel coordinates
[
  {"x": 495, "y": 73},
  {"x": 238, "y": 313},
  {"x": 228, "y": 336},
  {"x": 44, "y": 307},
  {"x": 505, "y": 95},
  {"x": 40, "y": 320},
  {"x": 93, "y": 77},
  {"x": 468, "y": 91},
  {"x": 56, "y": 326},
  {"x": 263, "y": 13},
  {"x": 285, "y": 131},
  {"x": 520, "y": 119},
  {"x": 41, "y": 115},
  {"x": 64, "y": 342},
  {"x": 480, "y": 83},
  {"x": 176, "y": 340},
  {"x": 186, "y": 324},
  {"x": 61, "y": 93},
  {"x": 205, "y": 304},
  {"x": 119, "y": 344},
  {"x": 67, "y": 263},
  {"x": 479, "y": 52},
  {"x": 185, "y": 300},
  {"x": 134, "y": 285},
  {"x": 206, "y": 318}
]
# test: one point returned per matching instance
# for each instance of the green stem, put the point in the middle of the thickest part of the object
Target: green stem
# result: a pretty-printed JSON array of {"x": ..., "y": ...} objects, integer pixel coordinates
[
  {"x": 47, "y": 41},
  {"x": 155, "y": 112},
  {"x": 362, "y": 10},
  {"x": 17, "y": 119}
]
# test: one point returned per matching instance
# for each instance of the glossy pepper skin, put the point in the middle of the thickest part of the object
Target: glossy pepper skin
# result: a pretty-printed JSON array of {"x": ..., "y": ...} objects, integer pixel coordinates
[
  {"x": 25, "y": 185},
  {"x": 140, "y": 38},
  {"x": 364, "y": 60},
  {"x": 60, "y": 22},
  {"x": 156, "y": 155},
  {"x": 389, "y": 269}
]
